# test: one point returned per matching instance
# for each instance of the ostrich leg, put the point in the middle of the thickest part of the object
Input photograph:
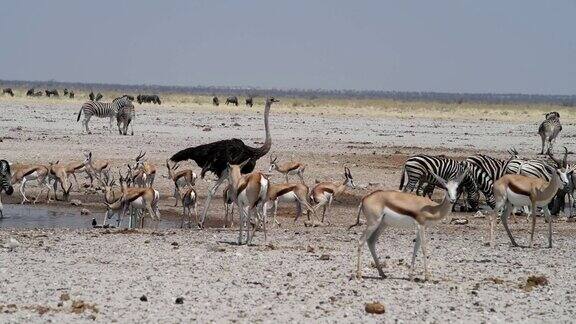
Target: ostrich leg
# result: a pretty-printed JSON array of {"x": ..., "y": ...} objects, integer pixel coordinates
[{"x": 209, "y": 198}]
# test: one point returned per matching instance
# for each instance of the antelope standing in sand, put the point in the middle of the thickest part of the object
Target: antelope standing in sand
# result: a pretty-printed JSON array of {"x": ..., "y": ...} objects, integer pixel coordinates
[
  {"x": 401, "y": 209},
  {"x": 136, "y": 198},
  {"x": 249, "y": 193},
  {"x": 144, "y": 172},
  {"x": 181, "y": 178},
  {"x": 324, "y": 192},
  {"x": 288, "y": 168},
  {"x": 58, "y": 172},
  {"x": 288, "y": 192},
  {"x": 95, "y": 168},
  {"x": 515, "y": 190},
  {"x": 26, "y": 173},
  {"x": 189, "y": 200}
]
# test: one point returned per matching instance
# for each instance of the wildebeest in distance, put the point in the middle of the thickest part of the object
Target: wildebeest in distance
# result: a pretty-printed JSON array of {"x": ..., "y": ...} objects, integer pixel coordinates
[
  {"x": 233, "y": 100},
  {"x": 98, "y": 97},
  {"x": 8, "y": 91},
  {"x": 30, "y": 92},
  {"x": 215, "y": 101},
  {"x": 71, "y": 94},
  {"x": 65, "y": 91},
  {"x": 91, "y": 96},
  {"x": 148, "y": 98},
  {"x": 249, "y": 101},
  {"x": 52, "y": 92}
]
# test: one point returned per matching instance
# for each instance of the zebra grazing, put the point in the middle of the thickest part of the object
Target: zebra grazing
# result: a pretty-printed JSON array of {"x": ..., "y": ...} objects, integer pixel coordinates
[
  {"x": 8, "y": 91},
  {"x": 549, "y": 130},
  {"x": 249, "y": 102},
  {"x": 215, "y": 101},
  {"x": 5, "y": 182},
  {"x": 125, "y": 117},
  {"x": 102, "y": 110},
  {"x": 232, "y": 100},
  {"x": 417, "y": 169},
  {"x": 487, "y": 171},
  {"x": 52, "y": 92}
]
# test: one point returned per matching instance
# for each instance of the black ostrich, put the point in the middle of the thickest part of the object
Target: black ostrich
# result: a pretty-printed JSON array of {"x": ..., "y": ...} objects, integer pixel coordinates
[{"x": 216, "y": 156}]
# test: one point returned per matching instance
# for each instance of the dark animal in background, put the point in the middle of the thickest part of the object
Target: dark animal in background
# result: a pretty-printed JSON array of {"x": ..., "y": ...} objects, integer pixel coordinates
[
  {"x": 215, "y": 157},
  {"x": 8, "y": 91},
  {"x": 71, "y": 94},
  {"x": 148, "y": 98},
  {"x": 249, "y": 102},
  {"x": 52, "y": 92},
  {"x": 91, "y": 96},
  {"x": 65, "y": 91},
  {"x": 5, "y": 181},
  {"x": 98, "y": 97},
  {"x": 233, "y": 100},
  {"x": 215, "y": 101},
  {"x": 30, "y": 92},
  {"x": 38, "y": 93},
  {"x": 549, "y": 130},
  {"x": 131, "y": 98}
]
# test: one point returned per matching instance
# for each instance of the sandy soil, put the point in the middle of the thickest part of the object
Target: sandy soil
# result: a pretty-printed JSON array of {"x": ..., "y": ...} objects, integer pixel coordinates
[{"x": 282, "y": 279}]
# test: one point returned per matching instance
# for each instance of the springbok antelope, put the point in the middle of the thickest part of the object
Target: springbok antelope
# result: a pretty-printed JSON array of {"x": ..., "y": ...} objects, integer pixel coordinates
[
  {"x": 288, "y": 192},
  {"x": 288, "y": 168},
  {"x": 189, "y": 200},
  {"x": 95, "y": 168},
  {"x": 324, "y": 192},
  {"x": 402, "y": 209},
  {"x": 514, "y": 190},
  {"x": 145, "y": 171},
  {"x": 249, "y": 193},
  {"x": 58, "y": 173},
  {"x": 181, "y": 178},
  {"x": 25, "y": 173},
  {"x": 136, "y": 198},
  {"x": 229, "y": 207},
  {"x": 110, "y": 195},
  {"x": 75, "y": 167}
]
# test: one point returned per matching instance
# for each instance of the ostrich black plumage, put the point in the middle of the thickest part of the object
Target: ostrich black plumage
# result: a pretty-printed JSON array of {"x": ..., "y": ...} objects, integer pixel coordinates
[{"x": 216, "y": 156}]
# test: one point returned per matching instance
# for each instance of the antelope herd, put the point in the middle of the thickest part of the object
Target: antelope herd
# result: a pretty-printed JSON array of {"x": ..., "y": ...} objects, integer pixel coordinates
[{"x": 506, "y": 184}]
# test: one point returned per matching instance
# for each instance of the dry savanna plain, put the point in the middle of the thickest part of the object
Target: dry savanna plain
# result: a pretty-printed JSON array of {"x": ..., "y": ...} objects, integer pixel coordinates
[{"x": 63, "y": 270}]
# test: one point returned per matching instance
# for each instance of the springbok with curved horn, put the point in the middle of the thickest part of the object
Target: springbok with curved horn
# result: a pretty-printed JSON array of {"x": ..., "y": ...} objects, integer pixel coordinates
[
  {"x": 249, "y": 194},
  {"x": 181, "y": 178},
  {"x": 26, "y": 173},
  {"x": 147, "y": 171},
  {"x": 324, "y": 192},
  {"x": 401, "y": 209},
  {"x": 189, "y": 200},
  {"x": 95, "y": 168},
  {"x": 515, "y": 190},
  {"x": 288, "y": 168},
  {"x": 58, "y": 172}
]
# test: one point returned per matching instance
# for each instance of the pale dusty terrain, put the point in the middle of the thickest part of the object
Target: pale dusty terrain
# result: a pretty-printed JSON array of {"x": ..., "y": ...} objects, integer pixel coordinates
[{"x": 280, "y": 279}]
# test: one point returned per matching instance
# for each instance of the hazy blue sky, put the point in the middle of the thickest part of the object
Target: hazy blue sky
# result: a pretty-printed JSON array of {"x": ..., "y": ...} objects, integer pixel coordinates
[{"x": 450, "y": 46}]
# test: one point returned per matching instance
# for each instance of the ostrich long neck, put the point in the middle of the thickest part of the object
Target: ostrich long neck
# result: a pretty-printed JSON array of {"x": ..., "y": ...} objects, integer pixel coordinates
[{"x": 263, "y": 150}]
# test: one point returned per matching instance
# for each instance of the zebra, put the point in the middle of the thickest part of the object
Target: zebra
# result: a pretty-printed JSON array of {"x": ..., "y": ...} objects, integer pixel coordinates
[
  {"x": 549, "y": 130},
  {"x": 487, "y": 171},
  {"x": 8, "y": 91},
  {"x": 125, "y": 116},
  {"x": 5, "y": 182},
  {"x": 102, "y": 110},
  {"x": 232, "y": 100},
  {"x": 417, "y": 171}
]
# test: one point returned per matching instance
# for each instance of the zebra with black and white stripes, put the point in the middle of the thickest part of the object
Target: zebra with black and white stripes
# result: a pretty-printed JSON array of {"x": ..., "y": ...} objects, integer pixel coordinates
[
  {"x": 5, "y": 182},
  {"x": 417, "y": 170},
  {"x": 549, "y": 130},
  {"x": 102, "y": 110},
  {"x": 125, "y": 117},
  {"x": 487, "y": 171}
]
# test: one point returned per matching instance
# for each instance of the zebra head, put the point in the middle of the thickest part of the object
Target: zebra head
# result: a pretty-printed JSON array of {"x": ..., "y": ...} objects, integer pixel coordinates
[
  {"x": 123, "y": 101},
  {"x": 5, "y": 177}
]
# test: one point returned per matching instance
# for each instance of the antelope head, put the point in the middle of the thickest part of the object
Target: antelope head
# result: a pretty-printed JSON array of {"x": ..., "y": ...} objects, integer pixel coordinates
[
  {"x": 451, "y": 186},
  {"x": 349, "y": 181},
  {"x": 273, "y": 164}
]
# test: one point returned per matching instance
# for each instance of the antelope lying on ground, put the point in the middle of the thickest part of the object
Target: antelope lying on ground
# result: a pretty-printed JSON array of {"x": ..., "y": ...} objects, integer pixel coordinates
[
  {"x": 58, "y": 172},
  {"x": 189, "y": 200},
  {"x": 514, "y": 190},
  {"x": 288, "y": 168},
  {"x": 401, "y": 209},
  {"x": 95, "y": 168},
  {"x": 25, "y": 173},
  {"x": 136, "y": 198},
  {"x": 181, "y": 178},
  {"x": 324, "y": 192},
  {"x": 288, "y": 192},
  {"x": 249, "y": 193}
]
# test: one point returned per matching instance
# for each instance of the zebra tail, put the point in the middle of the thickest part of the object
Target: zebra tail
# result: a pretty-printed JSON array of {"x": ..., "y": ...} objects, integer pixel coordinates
[
  {"x": 79, "y": 113},
  {"x": 402, "y": 178}
]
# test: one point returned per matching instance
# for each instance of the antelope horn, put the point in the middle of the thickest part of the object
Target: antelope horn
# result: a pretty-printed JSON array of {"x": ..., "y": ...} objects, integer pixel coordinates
[
  {"x": 140, "y": 155},
  {"x": 565, "y": 160}
]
